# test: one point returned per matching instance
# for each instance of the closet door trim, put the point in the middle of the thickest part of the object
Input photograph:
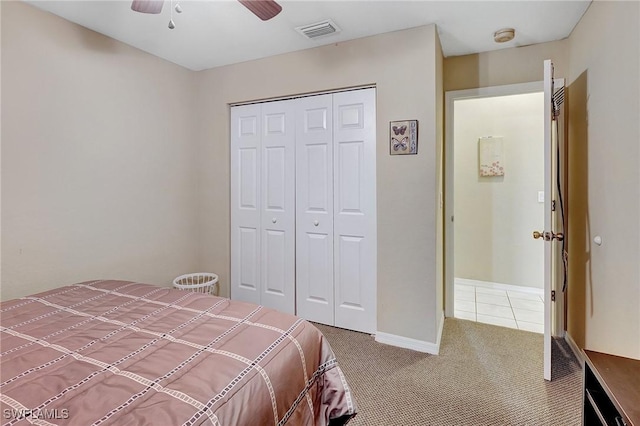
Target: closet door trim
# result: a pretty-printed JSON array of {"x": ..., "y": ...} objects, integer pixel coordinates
[{"x": 302, "y": 96}]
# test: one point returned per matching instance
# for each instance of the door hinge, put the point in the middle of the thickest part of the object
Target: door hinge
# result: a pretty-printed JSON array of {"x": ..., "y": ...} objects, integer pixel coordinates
[
  {"x": 553, "y": 205},
  {"x": 553, "y": 295}
]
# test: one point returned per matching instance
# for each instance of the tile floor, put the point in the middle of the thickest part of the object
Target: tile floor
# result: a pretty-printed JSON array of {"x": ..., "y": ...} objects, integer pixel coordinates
[{"x": 507, "y": 308}]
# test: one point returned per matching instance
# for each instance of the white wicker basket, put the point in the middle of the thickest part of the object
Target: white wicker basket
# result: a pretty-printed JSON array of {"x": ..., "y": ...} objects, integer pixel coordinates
[{"x": 200, "y": 282}]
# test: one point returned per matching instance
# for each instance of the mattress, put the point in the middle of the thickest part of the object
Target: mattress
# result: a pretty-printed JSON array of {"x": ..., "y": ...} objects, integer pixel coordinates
[{"x": 118, "y": 352}]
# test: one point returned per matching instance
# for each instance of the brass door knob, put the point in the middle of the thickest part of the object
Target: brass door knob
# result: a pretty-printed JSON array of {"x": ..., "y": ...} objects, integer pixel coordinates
[{"x": 548, "y": 236}]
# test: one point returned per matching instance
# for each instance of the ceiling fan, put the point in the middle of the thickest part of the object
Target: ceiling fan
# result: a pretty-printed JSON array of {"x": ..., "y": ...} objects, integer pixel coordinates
[{"x": 263, "y": 9}]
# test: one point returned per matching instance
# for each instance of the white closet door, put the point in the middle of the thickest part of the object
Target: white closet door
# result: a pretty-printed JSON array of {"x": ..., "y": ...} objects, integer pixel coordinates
[
  {"x": 245, "y": 203},
  {"x": 314, "y": 209},
  {"x": 355, "y": 210},
  {"x": 278, "y": 206}
]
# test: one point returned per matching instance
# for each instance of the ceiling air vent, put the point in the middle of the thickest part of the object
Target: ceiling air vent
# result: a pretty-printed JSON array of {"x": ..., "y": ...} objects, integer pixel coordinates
[{"x": 319, "y": 29}]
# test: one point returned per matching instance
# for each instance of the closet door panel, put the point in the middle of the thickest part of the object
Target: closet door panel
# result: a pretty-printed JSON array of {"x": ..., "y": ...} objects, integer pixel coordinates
[
  {"x": 319, "y": 252},
  {"x": 314, "y": 209},
  {"x": 318, "y": 182},
  {"x": 247, "y": 173},
  {"x": 278, "y": 206},
  {"x": 248, "y": 260},
  {"x": 355, "y": 251},
  {"x": 350, "y": 271},
  {"x": 350, "y": 180},
  {"x": 274, "y": 276},
  {"x": 245, "y": 202}
]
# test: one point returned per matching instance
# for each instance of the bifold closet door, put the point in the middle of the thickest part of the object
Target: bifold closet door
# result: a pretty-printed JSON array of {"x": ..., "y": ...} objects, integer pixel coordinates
[
  {"x": 278, "y": 206},
  {"x": 355, "y": 233},
  {"x": 245, "y": 202},
  {"x": 314, "y": 209},
  {"x": 336, "y": 252},
  {"x": 263, "y": 204}
]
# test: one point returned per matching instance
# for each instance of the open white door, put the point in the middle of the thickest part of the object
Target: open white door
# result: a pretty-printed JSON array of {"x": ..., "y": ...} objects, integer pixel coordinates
[
  {"x": 548, "y": 176},
  {"x": 553, "y": 310}
]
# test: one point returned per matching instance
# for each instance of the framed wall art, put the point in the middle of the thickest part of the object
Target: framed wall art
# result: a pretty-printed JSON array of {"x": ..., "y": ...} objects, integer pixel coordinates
[
  {"x": 491, "y": 157},
  {"x": 403, "y": 137}
]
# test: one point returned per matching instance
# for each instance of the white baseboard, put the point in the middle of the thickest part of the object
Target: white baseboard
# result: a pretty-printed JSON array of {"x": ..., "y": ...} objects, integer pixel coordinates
[
  {"x": 499, "y": 286},
  {"x": 440, "y": 327},
  {"x": 413, "y": 344},
  {"x": 574, "y": 347}
]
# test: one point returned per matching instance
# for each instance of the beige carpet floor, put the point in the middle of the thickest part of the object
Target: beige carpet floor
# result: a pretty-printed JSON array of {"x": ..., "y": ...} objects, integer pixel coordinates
[{"x": 484, "y": 375}]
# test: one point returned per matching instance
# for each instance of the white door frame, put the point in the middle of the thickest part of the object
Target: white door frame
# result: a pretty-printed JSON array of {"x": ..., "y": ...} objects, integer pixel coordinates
[{"x": 557, "y": 316}]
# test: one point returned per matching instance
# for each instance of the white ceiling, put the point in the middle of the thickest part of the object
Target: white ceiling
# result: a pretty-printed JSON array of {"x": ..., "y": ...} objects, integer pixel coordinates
[{"x": 221, "y": 32}]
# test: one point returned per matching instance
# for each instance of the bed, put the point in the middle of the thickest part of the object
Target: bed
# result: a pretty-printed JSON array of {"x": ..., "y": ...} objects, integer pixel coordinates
[{"x": 118, "y": 352}]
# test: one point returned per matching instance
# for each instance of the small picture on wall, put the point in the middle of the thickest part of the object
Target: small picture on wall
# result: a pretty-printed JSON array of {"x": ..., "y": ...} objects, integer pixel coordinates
[
  {"x": 403, "y": 137},
  {"x": 491, "y": 156}
]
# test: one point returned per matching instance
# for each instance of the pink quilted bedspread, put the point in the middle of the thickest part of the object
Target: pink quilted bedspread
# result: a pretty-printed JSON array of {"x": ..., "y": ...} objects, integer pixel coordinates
[{"x": 117, "y": 352}]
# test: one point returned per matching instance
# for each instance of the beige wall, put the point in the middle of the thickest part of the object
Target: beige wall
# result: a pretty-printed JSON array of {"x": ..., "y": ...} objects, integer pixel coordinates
[
  {"x": 494, "y": 216},
  {"x": 505, "y": 66},
  {"x": 98, "y": 161},
  {"x": 120, "y": 169},
  {"x": 406, "y": 185},
  {"x": 604, "y": 179}
]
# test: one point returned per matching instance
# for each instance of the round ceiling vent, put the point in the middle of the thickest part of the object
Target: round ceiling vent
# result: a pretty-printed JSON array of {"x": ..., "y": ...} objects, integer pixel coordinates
[{"x": 504, "y": 35}]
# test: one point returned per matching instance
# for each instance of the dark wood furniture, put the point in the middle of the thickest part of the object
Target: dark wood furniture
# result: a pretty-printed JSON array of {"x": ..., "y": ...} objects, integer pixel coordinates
[{"x": 611, "y": 390}]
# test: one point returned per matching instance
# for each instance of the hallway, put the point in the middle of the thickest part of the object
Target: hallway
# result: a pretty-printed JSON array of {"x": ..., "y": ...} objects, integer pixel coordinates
[{"x": 522, "y": 310}]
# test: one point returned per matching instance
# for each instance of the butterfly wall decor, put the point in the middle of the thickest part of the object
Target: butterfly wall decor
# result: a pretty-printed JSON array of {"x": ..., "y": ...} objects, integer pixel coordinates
[
  {"x": 404, "y": 137},
  {"x": 400, "y": 144},
  {"x": 399, "y": 130}
]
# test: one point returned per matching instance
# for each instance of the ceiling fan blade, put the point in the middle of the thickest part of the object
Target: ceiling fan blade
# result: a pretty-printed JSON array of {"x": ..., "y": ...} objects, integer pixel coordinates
[
  {"x": 147, "y": 6},
  {"x": 263, "y": 9}
]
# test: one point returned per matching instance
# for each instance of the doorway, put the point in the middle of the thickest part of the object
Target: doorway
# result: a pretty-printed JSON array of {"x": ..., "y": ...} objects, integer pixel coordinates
[{"x": 495, "y": 198}]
